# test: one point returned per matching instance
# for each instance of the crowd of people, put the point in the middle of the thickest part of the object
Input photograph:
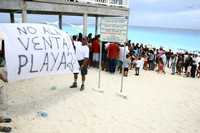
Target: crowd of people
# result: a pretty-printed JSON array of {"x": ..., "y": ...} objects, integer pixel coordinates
[
  {"x": 125, "y": 56},
  {"x": 122, "y": 57},
  {"x": 116, "y": 56}
]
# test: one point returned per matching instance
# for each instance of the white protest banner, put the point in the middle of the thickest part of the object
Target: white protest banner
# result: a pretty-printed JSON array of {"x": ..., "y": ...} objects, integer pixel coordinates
[
  {"x": 37, "y": 49},
  {"x": 113, "y": 29}
]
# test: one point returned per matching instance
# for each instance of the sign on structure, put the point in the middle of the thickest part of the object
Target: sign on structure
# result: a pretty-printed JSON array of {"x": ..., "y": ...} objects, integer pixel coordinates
[{"x": 114, "y": 29}]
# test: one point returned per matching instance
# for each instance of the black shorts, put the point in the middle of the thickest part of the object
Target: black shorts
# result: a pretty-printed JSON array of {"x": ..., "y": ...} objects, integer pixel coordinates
[
  {"x": 84, "y": 70},
  {"x": 126, "y": 69}
]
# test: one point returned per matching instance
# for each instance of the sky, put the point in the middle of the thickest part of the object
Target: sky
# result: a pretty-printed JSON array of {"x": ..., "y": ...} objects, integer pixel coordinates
[
  {"x": 165, "y": 13},
  {"x": 149, "y": 13}
]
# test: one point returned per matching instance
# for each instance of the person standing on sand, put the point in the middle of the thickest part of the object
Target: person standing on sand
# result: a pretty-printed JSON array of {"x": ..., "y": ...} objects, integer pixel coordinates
[
  {"x": 164, "y": 60},
  {"x": 113, "y": 55},
  {"x": 168, "y": 57},
  {"x": 179, "y": 64},
  {"x": 3, "y": 74},
  {"x": 95, "y": 51},
  {"x": 151, "y": 60},
  {"x": 173, "y": 64},
  {"x": 82, "y": 54},
  {"x": 126, "y": 65},
  {"x": 122, "y": 55},
  {"x": 138, "y": 64},
  {"x": 90, "y": 39},
  {"x": 194, "y": 66},
  {"x": 3, "y": 77},
  {"x": 198, "y": 70},
  {"x": 160, "y": 66}
]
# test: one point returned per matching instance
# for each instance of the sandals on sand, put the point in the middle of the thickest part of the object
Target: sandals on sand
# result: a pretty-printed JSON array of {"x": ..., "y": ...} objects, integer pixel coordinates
[
  {"x": 5, "y": 120},
  {"x": 5, "y": 129}
]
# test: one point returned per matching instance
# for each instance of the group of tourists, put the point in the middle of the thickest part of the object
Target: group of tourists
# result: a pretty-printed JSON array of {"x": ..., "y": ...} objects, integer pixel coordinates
[
  {"x": 116, "y": 56},
  {"x": 123, "y": 57}
]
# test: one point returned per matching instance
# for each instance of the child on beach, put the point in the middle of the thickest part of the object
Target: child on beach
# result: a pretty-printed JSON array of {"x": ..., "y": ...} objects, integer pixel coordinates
[
  {"x": 138, "y": 64},
  {"x": 126, "y": 65}
]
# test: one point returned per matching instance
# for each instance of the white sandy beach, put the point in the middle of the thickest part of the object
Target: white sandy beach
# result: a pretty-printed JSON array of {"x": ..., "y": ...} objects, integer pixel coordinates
[{"x": 156, "y": 104}]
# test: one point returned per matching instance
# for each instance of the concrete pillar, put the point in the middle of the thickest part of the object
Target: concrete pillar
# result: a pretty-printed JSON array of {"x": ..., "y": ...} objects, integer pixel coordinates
[
  {"x": 24, "y": 12},
  {"x": 24, "y": 16},
  {"x": 127, "y": 27},
  {"x": 96, "y": 24},
  {"x": 12, "y": 17},
  {"x": 60, "y": 21},
  {"x": 85, "y": 24}
]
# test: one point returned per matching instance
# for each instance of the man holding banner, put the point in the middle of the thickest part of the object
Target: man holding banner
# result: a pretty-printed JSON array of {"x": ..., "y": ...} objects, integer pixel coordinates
[
  {"x": 82, "y": 54},
  {"x": 3, "y": 74}
]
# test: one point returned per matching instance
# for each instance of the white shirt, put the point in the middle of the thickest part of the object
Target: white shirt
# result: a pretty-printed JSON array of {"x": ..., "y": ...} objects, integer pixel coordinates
[
  {"x": 164, "y": 58},
  {"x": 126, "y": 63},
  {"x": 106, "y": 45},
  {"x": 198, "y": 59},
  {"x": 195, "y": 60},
  {"x": 185, "y": 57},
  {"x": 139, "y": 63},
  {"x": 121, "y": 53},
  {"x": 0, "y": 44},
  {"x": 81, "y": 51}
]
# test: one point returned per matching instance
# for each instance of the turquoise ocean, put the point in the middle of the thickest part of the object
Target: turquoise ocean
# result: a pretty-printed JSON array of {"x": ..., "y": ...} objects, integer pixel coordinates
[{"x": 176, "y": 39}]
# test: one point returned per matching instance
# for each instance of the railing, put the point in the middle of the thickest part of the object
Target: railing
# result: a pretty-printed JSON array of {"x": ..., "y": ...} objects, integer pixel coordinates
[{"x": 117, "y": 3}]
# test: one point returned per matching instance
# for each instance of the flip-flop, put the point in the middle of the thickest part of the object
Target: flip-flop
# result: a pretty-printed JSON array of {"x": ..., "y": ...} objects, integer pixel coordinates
[
  {"x": 5, "y": 129},
  {"x": 5, "y": 120}
]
